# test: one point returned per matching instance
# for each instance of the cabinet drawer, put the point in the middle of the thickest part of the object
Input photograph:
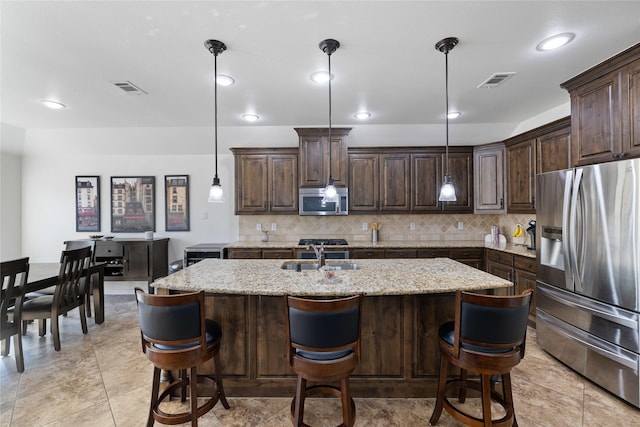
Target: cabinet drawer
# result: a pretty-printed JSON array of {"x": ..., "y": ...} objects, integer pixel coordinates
[
  {"x": 245, "y": 253},
  {"x": 109, "y": 249},
  {"x": 277, "y": 253},
  {"x": 524, "y": 263},
  {"x": 433, "y": 253},
  {"x": 400, "y": 253},
  {"x": 466, "y": 253},
  {"x": 367, "y": 253},
  {"x": 500, "y": 257}
]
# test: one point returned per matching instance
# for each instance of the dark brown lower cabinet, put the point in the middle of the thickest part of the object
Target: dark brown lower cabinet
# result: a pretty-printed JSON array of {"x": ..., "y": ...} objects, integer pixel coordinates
[
  {"x": 399, "y": 345},
  {"x": 134, "y": 259}
]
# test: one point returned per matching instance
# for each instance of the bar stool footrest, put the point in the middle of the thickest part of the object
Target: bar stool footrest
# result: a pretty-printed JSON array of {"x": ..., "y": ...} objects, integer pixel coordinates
[{"x": 184, "y": 417}]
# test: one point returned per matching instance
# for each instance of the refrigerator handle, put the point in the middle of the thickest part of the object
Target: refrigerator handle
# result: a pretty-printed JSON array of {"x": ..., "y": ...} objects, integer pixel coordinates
[
  {"x": 566, "y": 234},
  {"x": 573, "y": 230}
]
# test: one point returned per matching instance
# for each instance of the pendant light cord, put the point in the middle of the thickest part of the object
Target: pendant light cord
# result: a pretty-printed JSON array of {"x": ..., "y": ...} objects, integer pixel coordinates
[
  {"x": 330, "y": 177},
  {"x": 446, "y": 111},
  {"x": 215, "y": 109}
]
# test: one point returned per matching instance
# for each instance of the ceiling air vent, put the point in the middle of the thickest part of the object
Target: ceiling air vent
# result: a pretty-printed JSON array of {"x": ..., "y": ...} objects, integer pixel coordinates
[
  {"x": 129, "y": 88},
  {"x": 496, "y": 79}
]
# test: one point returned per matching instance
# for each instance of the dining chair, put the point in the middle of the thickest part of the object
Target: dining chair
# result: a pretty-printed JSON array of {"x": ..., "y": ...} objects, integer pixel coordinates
[
  {"x": 14, "y": 279},
  {"x": 323, "y": 347},
  {"x": 487, "y": 338},
  {"x": 176, "y": 336},
  {"x": 70, "y": 292}
]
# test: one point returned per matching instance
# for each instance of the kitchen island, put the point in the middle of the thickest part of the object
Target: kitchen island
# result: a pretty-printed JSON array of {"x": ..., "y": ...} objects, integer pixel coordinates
[{"x": 406, "y": 301}]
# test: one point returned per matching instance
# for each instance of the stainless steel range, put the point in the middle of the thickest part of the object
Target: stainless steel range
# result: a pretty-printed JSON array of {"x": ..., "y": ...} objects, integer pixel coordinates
[
  {"x": 329, "y": 254},
  {"x": 588, "y": 288}
]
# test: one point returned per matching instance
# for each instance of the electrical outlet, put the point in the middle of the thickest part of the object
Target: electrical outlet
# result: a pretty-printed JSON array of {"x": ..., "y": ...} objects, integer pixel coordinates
[
  {"x": 365, "y": 226},
  {"x": 259, "y": 227},
  {"x": 460, "y": 225},
  {"x": 273, "y": 226},
  {"x": 412, "y": 226}
]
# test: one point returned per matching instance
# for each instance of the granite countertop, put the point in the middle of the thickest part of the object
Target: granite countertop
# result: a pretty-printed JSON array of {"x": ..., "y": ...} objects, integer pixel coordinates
[
  {"x": 375, "y": 277},
  {"x": 512, "y": 248}
]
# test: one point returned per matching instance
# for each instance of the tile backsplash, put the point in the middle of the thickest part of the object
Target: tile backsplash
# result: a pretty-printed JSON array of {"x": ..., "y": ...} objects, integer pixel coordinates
[{"x": 394, "y": 227}]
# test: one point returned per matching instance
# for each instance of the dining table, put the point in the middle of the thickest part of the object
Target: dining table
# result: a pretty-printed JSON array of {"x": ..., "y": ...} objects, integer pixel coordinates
[{"x": 43, "y": 275}]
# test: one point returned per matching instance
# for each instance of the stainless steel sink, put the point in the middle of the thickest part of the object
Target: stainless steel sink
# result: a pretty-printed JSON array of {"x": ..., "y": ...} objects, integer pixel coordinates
[{"x": 300, "y": 266}]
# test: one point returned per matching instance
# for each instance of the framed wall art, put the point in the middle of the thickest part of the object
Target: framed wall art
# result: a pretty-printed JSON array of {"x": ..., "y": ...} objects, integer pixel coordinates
[
  {"x": 176, "y": 196},
  {"x": 133, "y": 205},
  {"x": 87, "y": 203}
]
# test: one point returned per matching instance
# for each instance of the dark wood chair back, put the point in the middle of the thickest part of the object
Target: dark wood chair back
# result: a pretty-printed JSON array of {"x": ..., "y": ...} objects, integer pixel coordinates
[
  {"x": 71, "y": 289},
  {"x": 14, "y": 279},
  {"x": 79, "y": 244}
]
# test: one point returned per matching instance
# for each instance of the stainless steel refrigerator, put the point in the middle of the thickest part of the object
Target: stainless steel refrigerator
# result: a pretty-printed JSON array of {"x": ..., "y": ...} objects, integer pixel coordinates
[{"x": 588, "y": 272}]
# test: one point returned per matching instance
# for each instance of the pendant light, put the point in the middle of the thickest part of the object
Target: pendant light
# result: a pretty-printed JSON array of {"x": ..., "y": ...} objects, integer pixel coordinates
[
  {"x": 448, "y": 191},
  {"x": 329, "y": 46},
  {"x": 216, "y": 47}
]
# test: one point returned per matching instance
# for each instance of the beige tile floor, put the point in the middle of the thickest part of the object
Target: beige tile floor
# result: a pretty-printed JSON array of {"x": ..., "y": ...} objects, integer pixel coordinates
[{"x": 103, "y": 379}]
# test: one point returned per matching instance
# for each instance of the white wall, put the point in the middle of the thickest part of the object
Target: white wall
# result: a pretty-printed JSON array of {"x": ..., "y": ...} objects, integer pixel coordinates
[{"x": 11, "y": 146}]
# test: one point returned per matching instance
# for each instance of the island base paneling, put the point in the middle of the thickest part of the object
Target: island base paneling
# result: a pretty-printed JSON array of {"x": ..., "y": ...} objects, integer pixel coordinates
[{"x": 399, "y": 345}]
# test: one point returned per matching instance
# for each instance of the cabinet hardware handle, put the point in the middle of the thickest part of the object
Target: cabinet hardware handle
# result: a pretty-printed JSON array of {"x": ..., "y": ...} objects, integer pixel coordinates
[
  {"x": 615, "y": 155},
  {"x": 621, "y": 155},
  {"x": 501, "y": 203}
]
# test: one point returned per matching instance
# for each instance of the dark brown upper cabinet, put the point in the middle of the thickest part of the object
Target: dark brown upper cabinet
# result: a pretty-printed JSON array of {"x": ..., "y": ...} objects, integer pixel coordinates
[{"x": 314, "y": 156}]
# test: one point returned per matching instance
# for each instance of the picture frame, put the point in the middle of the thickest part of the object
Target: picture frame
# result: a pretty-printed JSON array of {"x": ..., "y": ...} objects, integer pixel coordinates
[
  {"x": 133, "y": 204},
  {"x": 176, "y": 196},
  {"x": 87, "y": 203}
]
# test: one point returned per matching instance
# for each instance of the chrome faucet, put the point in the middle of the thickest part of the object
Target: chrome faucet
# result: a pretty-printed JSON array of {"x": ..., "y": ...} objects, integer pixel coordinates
[{"x": 319, "y": 250}]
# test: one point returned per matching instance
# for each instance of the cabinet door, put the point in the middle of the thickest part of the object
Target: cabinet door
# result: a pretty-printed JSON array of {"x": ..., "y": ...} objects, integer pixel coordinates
[
  {"x": 488, "y": 164},
  {"x": 521, "y": 177},
  {"x": 553, "y": 151},
  {"x": 252, "y": 183},
  {"x": 426, "y": 179},
  {"x": 631, "y": 109},
  {"x": 314, "y": 156},
  {"x": 596, "y": 120},
  {"x": 364, "y": 182},
  {"x": 312, "y": 168},
  {"x": 525, "y": 280},
  {"x": 136, "y": 263},
  {"x": 394, "y": 182},
  {"x": 461, "y": 171},
  {"x": 283, "y": 183}
]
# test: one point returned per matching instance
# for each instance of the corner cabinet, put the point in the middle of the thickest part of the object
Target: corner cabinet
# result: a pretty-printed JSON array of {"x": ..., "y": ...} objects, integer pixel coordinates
[
  {"x": 489, "y": 179},
  {"x": 133, "y": 259},
  {"x": 314, "y": 156},
  {"x": 543, "y": 149},
  {"x": 605, "y": 110},
  {"x": 266, "y": 180}
]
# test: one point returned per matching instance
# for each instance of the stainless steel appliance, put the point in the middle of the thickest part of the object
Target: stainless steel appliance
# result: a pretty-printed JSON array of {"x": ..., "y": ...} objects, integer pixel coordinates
[
  {"x": 311, "y": 202},
  {"x": 329, "y": 254},
  {"x": 196, "y": 253},
  {"x": 588, "y": 271}
]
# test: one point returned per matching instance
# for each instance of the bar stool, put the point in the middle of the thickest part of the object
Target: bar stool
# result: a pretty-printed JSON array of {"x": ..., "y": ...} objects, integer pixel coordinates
[
  {"x": 487, "y": 338},
  {"x": 177, "y": 336},
  {"x": 323, "y": 347}
]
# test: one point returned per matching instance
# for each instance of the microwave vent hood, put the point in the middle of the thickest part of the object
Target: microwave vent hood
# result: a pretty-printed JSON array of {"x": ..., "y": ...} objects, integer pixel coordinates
[{"x": 311, "y": 202}]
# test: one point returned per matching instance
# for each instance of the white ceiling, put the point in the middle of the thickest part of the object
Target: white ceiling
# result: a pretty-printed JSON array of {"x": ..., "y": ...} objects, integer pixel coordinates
[{"x": 72, "y": 51}]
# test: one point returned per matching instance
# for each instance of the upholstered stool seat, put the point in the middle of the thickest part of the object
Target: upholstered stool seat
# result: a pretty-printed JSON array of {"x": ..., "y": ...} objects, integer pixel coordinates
[
  {"x": 324, "y": 348},
  {"x": 177, "y": 336},
  {"x": 487, "y": 338}
]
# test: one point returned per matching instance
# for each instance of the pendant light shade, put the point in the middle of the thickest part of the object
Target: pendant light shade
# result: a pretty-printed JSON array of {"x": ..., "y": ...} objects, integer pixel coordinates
[
  {"x": 216, "y": 47},
  {"x": 448, "y": 191},
  {"x": 329, "y": 46}
]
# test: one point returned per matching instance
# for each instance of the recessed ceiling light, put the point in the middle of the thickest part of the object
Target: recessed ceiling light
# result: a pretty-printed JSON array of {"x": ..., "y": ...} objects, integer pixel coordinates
[
  {"x": 251, "y": 117},
  {"x": 555, "y": 42},
  {"x": 363, "y": 115},
  {"x": 224, "y": 80},
  {"x": 454, "y": 114},
  {"x": 54, "y": 105},
  {"x": 320, "y": 77}
]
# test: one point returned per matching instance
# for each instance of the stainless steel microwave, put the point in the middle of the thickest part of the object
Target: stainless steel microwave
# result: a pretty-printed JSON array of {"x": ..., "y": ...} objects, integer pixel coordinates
[{"x": 311, "y": 202}]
